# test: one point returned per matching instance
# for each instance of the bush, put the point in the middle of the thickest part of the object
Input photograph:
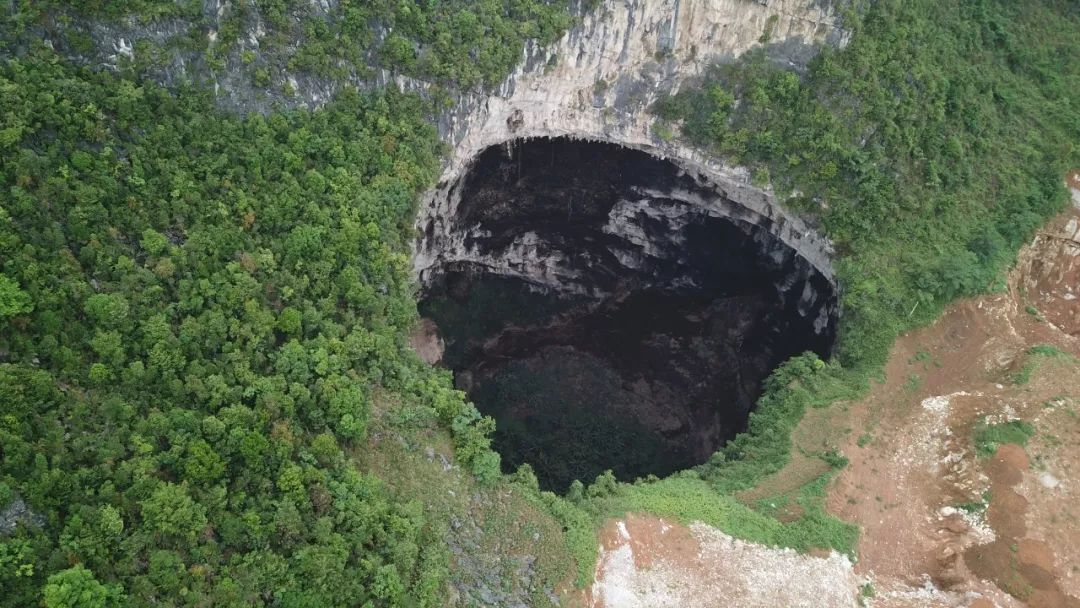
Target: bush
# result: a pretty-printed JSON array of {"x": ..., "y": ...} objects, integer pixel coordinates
[
  {"x": 898, "y": 144},
  {"x": 987, "y": 437}
]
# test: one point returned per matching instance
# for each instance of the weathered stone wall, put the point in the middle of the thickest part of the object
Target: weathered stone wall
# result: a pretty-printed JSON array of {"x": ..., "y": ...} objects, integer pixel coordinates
[{"x": 598, "y": 82}]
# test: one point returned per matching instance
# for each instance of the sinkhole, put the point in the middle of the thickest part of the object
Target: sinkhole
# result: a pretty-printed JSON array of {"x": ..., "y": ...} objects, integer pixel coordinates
[{"x": 611, "y": 309}]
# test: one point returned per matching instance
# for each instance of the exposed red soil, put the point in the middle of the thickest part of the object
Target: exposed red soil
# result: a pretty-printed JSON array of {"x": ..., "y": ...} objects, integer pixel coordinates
[
  {"x": 940, "y": 525},
  {"x": 904, "y": 487}
]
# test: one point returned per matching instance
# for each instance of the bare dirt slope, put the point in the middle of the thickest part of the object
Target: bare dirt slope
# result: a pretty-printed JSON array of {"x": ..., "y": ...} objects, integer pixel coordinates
[
  {"x": 647, "y": 562},
  {"x": 942, "y": 525}
]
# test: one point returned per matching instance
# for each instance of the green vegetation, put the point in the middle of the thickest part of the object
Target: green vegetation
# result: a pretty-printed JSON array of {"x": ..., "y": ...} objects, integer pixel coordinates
[
  {"x": 987, "y": 437},
  {"x": 866, "y": 591},
  {"x": 1048, "y": 350},
  {"x": 929, "y": 148},
  {"x": 687, "y": 498},
  {"x": 706, "y": 493},
  {"x": 977, "y": 506},
  {"x": 802, "y": 382},
  {"x": 196, "y": 312},
  {"x": 1031, "y": 310},
  {"x": 1036, "y": 355},
  {"x": 459, "y": 43}
]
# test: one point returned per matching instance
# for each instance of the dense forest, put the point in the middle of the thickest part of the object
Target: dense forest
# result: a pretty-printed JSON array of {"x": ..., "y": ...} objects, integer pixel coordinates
[
  {"x": 199, "y": 312},
  {"x": 458, "y": 44},
  {"x": 929, "y": 148},
  {"x": 195, "y": 311}
]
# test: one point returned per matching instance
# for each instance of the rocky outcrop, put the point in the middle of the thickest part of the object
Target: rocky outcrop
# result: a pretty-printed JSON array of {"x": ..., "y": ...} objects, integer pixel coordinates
[
  {"x": 600, "y": 220},
  {"x": 593, "y": 296},
  {"x": 17, "y": 513},
  {"x": 598, "y": 82}
]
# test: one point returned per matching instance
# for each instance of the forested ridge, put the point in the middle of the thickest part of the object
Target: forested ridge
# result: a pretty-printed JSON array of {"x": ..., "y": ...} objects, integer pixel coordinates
[
  {"x": 458, "y": 44},
  {"x": 199, "y": 312},
  {"x": 195, "y": 311},
  {"x": 929, "y": 149}
]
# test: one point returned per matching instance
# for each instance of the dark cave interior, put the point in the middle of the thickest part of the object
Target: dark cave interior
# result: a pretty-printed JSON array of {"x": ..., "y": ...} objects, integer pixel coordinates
[{"x": 603, "y": 312}]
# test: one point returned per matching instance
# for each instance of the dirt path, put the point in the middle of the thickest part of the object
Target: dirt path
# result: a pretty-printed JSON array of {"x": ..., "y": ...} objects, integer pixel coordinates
[{"x": 942, "y": 526}]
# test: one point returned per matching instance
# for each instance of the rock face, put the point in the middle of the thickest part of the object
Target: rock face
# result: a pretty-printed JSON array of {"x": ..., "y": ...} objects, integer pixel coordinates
[
  {"x": 620, "y": 56},
  {"x": 15, "y": 513},
  {"x": 611, "y": 297},
  {"x": 601, "y": 220},
  {"x": 598, "y": 82},
  {"x": 600, "y": 78},
  {"x": 612, "y": 311}
]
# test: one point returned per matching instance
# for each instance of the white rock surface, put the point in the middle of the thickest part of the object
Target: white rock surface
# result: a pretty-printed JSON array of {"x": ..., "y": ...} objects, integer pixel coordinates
[
  {"x": 599, "y": 80},
  {"x": 723, "y": 571}
]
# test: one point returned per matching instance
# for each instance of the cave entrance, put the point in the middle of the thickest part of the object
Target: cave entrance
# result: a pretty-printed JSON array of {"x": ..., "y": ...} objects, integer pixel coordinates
[{"x": 609, "y": 309}]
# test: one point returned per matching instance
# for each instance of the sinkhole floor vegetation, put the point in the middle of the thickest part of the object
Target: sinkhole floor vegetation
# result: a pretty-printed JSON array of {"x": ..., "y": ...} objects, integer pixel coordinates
[
  {"x": 200, "y": 313},
  {"x": 646, "y": 350}
]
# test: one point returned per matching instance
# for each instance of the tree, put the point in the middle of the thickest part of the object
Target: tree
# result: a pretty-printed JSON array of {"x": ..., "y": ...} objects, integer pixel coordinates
[
  {"x": 153, "y": 241},
  {"x": 106, "y": 310},
  {"x": 76, "y": 587},
  {"x": 203, "y": 465},
  {"x": 289, "y": 321},
  {"x": 13, "y": 301},
  {"x": 171, "y": 513},
  {"x": 722, "y": 102}
]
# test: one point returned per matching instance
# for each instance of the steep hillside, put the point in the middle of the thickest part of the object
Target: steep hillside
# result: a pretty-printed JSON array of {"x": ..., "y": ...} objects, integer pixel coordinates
[{"x": 218, "y": 219}]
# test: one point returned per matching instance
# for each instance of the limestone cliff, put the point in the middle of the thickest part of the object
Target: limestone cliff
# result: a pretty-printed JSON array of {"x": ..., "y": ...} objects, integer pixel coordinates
[{"x": 598, "y": 83}]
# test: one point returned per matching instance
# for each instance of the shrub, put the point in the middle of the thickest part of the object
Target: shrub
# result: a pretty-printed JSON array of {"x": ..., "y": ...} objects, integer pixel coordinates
[{"x": 987, "y": 437}]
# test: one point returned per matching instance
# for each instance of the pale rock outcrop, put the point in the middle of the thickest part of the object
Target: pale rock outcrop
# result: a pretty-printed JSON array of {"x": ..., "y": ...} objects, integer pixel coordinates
[{"x": 598, "y": 83}]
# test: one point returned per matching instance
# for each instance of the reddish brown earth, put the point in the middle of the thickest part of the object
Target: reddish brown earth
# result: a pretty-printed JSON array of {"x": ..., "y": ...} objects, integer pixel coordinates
[
  {"x": 1015, "y": 542},
  {"x": 904, "y": 486}
]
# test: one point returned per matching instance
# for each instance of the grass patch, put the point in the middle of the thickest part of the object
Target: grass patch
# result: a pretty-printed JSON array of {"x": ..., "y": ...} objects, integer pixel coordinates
[
  {"x": 987, "y": 437},
  {"x": 506, "y": 519},
  {"x": 1034, "y": 312},
  {"x": 976, "y": 506},
  {"x": 687, "y": 498},
  {"x": 1047, "y": 350},
  {"x": 866, "y": 592},
  {"x": 706, "y": 493},
  {"x": 1035, "y": 356}
]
